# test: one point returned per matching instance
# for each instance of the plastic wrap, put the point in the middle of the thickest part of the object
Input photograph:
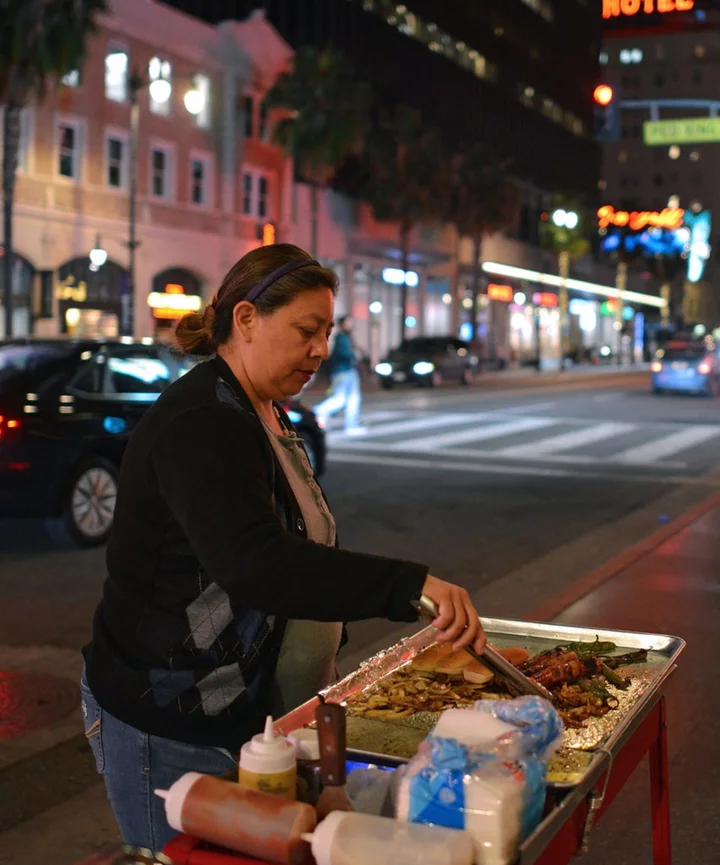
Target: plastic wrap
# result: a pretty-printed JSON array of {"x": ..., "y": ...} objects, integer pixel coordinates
[{"x": 488, "y": 779}]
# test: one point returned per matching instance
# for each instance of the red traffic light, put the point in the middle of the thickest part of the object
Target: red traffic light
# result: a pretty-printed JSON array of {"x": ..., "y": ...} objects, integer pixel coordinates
[{"x": 603, "y": 94}]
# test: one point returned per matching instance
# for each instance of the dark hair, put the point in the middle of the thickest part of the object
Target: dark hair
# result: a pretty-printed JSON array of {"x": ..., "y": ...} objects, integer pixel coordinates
[
  {"x": 200, "y": 333},
  {"x": 343, "y": 319}
]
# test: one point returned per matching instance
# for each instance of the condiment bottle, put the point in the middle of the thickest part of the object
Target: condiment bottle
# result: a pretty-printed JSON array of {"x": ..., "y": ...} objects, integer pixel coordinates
[
  {"x": 349, "y": 838},
  {"x": 268, "y": 764},
  {"x": 224, "y": 813},
  {"x": 307, "y": 751}
]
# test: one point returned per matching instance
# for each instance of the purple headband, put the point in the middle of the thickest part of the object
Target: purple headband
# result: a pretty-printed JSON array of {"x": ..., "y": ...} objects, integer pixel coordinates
[{"x": 295, "y": 264}]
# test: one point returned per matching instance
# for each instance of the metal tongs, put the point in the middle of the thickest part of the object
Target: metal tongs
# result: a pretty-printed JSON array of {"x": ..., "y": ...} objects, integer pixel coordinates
[{"x": 491, "y": 658}]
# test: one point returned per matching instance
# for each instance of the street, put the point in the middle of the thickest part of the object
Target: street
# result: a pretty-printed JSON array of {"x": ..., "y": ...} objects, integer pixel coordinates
[{"x": 514, "y": 490}]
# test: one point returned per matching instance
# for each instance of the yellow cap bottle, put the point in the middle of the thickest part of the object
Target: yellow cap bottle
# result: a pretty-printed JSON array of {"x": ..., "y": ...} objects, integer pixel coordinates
[{"x": 268, "y": 764}]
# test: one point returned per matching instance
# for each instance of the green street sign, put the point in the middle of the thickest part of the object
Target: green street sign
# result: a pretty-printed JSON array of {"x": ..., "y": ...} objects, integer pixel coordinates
[{"x": 690, "y": 130}]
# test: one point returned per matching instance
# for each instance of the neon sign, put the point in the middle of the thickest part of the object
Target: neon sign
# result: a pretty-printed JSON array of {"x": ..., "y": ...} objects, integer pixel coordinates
[
  {"x": 500, "y": 292},
  {"x": 629, "y": 8},
  {"x": 173, "y": 303},
  {"x": 637, "y": 220}
]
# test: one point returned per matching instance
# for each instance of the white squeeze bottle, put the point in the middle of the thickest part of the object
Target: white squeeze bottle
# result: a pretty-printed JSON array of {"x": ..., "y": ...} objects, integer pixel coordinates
[
  {"x": 349, "y": 838},
  {"x": 268, "y": 764}
]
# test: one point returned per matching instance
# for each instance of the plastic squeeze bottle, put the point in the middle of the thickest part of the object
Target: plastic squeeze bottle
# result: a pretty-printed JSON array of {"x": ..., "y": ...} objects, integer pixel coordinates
[
  {"x": 268, "y": 764},
  {"x": 267, "y": 827},
  {"x": 349, "y": 838}
]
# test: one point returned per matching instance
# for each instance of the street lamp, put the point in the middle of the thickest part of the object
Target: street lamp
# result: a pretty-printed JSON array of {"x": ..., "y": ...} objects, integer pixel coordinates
[
  {"x": 194, "y": 101},
  {"x": 566, "y": 221},
  {"x": 98, "y": 255}
]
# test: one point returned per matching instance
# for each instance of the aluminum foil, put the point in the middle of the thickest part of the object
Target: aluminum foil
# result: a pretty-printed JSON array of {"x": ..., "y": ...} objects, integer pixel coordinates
[{"x": 662, "y": 652}]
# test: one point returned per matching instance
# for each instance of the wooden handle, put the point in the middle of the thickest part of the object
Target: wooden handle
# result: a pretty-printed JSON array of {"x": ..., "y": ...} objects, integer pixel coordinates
[{"x": 330, "y": 719}]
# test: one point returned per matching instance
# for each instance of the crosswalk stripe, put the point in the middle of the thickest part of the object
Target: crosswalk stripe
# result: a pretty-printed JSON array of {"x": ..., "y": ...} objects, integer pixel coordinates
[
  {"x": 568, "y": 441},
  {"x": 653, "y": 451},
  {"x": 428, "y": 444},
  {"x": 415, "y": 425}
]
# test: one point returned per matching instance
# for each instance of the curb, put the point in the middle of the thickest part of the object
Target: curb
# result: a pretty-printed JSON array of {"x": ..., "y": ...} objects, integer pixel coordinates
[{"x": 597, "y": 577}]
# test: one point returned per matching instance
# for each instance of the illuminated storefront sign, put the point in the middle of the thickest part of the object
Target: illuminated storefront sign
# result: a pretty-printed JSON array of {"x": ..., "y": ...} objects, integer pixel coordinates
[
  {"x": 69, "y": 290},
  {"x": 691, "y": 130},
  {"x": 500, "y": 292},
  {"x": 173, "y": 302},
  {"x": 629, "y": 8},
  {"x": 545, "y": 298},
  {"x": 268, "y": 234},
  {"x": 670, "y": 218}
]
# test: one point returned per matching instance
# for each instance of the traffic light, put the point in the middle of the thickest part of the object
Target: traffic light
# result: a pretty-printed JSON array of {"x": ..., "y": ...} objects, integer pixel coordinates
[{"x": 606, "y": 125}]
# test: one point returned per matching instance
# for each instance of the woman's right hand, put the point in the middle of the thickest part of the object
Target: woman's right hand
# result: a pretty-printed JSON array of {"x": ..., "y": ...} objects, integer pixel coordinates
[{"x": 458, "y": 621}]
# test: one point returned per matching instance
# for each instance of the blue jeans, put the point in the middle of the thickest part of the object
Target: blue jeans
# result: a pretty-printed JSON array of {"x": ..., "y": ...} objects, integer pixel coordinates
[
  {"x": 134, "y": 764},
  {"x": 346, "y": 394}
]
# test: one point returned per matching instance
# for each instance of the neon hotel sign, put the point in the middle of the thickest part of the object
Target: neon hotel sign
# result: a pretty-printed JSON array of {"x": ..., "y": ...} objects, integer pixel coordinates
[{"x": 628, "y": 8}]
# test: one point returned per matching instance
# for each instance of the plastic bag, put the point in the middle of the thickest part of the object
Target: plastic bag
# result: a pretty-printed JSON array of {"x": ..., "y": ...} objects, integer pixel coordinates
[{"x": 489, "y": 780}]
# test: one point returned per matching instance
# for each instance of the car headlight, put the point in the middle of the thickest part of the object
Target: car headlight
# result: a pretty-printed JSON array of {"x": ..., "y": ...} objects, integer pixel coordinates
[
  {"x": 384, "y": 369},
  {"x": 423, "y": 368},
  {"x": 295, "y": 416}
]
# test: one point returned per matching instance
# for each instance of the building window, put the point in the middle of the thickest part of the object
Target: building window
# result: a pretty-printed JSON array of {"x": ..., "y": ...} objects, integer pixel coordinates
[
  {"x": 263, "y": 204},
  {"x": 658, "y": 179},
  {"x": 160, "y": 76},
  {"x": 249, "y": 112},
  {"x": 160, "y": 179},
  {"x": 201, "y": 84},
  {"x": 68, "y": 150},
  {"x": 116, "y": 155},
  {"x": 247, "y": 207},
  {"x": 631, "y": 55},
  {"x": 116, "y": 75},
  {"x": 201, "y": 181},
  {"x": 659, "y": 51},
  {"x": 659, "y": 79},
  {"x": 697, "y": 76},
  {"x": 71, "y": 78},
  {"x": 263, "y": 122},
  {"x": 699, "y": 51}
]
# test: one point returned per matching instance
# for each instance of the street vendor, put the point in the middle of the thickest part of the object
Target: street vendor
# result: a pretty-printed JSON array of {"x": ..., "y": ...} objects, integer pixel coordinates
[{"x": 226, "y": 590}]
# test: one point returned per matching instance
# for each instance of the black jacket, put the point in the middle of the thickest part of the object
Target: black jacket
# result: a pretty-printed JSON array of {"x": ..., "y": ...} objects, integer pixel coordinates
[{"x": 207, "y": 560}]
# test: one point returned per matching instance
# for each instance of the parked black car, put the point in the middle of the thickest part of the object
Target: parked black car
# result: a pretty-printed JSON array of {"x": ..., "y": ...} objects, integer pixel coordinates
[
  {"x": 429, "y": 361},
  {"x": 67, "y": 409}
]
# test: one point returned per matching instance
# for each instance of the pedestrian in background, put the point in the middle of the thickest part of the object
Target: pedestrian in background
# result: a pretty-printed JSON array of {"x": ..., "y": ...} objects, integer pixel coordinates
[{"x": 344, "y": 381}]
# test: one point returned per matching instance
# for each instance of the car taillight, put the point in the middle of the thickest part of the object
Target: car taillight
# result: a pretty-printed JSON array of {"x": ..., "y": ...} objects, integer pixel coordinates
[
  {"x": 656, "y": 366},
  {"x": 704, "y": 369},
  {"x": 7, "y": 425}
]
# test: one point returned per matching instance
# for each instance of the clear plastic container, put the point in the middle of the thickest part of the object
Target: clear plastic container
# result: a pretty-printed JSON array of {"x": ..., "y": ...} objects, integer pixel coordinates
[{"x": 348, "y": 838}]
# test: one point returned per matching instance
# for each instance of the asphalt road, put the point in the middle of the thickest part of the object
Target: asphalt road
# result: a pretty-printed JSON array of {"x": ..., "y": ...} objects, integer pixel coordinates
[
  {"x": 475, "y": 483},
  {"x": 512, "y": 489}
]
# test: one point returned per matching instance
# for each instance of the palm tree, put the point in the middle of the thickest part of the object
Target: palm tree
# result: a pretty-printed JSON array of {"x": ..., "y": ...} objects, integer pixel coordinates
[
  {"x": 409, "y": 180},
  {"x": 483, "y": 202},
  {"x": 328, "y": 117},
  {"x": 40, "y": 41}
]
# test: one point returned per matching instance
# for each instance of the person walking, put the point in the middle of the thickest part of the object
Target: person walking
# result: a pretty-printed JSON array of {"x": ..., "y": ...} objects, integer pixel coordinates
[
  {"x": 226, "y": 592},
  {"x": 344, "y": 382}
]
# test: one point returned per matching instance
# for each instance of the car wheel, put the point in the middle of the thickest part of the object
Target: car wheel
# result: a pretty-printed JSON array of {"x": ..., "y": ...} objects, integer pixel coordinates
[
  {"x": 658, "y": 391},
  {"x": 90, "y": 502},
  {"x": 385, "y": 384},
  {"x": 466, "y": 377}
]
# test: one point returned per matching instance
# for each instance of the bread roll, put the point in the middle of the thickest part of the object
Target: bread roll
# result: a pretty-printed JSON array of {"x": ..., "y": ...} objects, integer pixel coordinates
[{"x": 442, "y": 659}]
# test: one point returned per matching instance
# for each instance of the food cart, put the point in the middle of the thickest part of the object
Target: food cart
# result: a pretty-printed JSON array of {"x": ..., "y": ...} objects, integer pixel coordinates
[{"x": 609, "y": 751}]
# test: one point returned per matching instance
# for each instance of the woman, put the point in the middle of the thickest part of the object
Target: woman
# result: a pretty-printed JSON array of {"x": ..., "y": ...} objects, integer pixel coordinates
[{"x": 225, "y": 591}]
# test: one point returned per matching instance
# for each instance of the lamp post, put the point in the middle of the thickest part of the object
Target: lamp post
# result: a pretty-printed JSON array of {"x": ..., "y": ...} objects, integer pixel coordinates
[
  {"x": 160, "y": 91},
  {"x": 566, "y": 221}
]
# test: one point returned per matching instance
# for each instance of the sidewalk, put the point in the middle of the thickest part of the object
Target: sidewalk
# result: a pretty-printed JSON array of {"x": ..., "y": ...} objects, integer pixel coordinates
[
  {"x": 671, "y": 589},
  {"x": 513, "y": 377},
  {"x": 54, "y": 808}
]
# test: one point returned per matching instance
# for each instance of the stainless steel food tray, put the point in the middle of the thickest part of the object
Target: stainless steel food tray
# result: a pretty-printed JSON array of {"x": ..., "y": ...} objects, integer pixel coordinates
[{"x": 662, "y": 650}]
